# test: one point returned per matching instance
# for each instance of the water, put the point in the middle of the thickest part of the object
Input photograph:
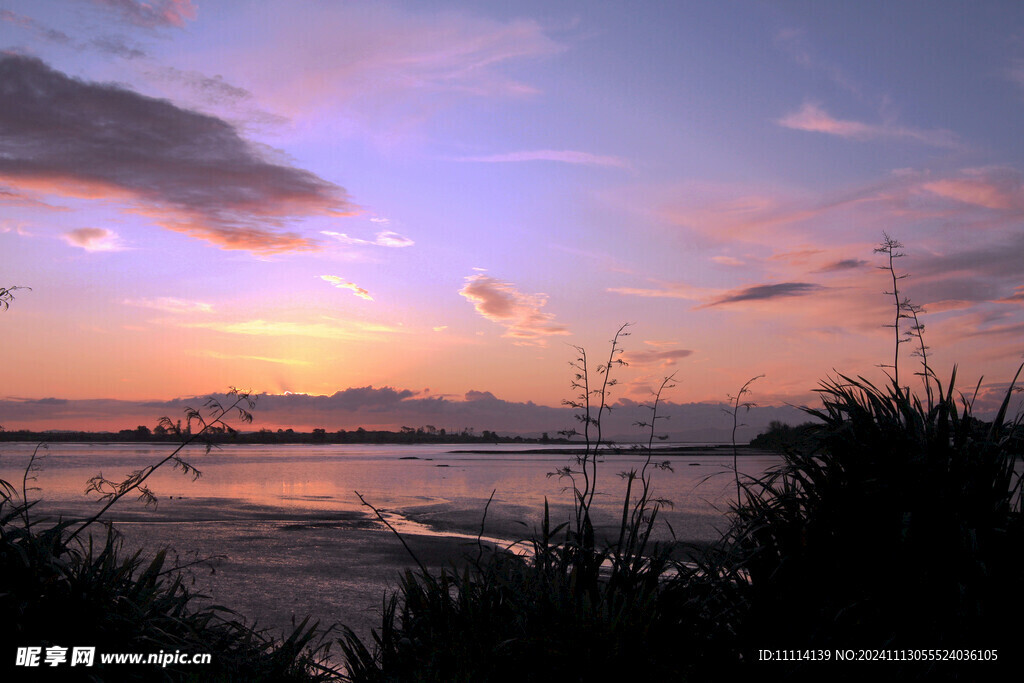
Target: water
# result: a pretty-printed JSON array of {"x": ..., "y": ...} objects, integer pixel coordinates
[{"x": 289, "y": 537}]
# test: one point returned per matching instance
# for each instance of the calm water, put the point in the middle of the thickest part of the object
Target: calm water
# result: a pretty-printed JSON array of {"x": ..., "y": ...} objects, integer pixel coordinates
[{"x": 289, "y": 537}]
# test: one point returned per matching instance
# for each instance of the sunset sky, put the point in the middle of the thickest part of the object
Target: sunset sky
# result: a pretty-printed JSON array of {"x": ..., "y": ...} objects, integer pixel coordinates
[{"x": 441, "y": 198}]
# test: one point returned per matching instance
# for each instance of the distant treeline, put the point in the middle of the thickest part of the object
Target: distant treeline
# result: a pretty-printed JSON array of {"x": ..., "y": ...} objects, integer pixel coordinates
[
  {"x": 217, "y": 434},
  {"x": 783, "y": 438}
]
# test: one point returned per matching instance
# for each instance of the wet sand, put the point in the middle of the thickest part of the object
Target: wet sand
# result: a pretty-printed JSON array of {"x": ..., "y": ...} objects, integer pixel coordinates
[{"x": 275, "y": 566}]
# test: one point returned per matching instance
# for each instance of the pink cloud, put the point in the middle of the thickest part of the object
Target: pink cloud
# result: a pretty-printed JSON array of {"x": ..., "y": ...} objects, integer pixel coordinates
[
  {"x": 812, "y": 118},
  {"x": 519, "y": 313},
  {"x": 388, "y": 70},
  {"x": 663, "y": 359},
  {"x": 667, "y": 290},
  {"x": 342, "y": 283},
  {"x": 996, "y": 188},
  {"x": 152, "y": 13},
  {"x": 93, "y": 239}
]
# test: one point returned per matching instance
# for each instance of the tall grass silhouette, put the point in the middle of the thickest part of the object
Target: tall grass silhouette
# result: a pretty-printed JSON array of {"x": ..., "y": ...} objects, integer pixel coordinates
[{"x": 896, "y": 524}]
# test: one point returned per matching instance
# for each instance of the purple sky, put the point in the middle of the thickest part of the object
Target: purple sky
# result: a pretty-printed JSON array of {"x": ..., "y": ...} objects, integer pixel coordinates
[{"x": 443, "y": 198}]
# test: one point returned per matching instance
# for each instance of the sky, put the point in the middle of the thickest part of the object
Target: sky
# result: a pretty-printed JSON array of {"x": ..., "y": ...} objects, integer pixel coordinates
[{"x": 434, "y": 203}]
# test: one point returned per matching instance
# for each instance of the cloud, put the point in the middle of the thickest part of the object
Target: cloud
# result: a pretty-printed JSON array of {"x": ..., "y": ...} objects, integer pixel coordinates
[
  {"x": 387, "y": 238},
  {"x": 473, "y": 395},
  {"x": 188, "y": 172},
  {"x": 767, "y": 292},
  {"x": 1017, "y": 296},
  {"x": 666, "y": 290},
  {"x": 719, "y": 216},
  {"x": 169, "y": 304},
  {"x": 211, "y": 88},
  {"x": 388, "y": 70},
  {"x": 812, "y": 118},
  {"x": 844, "y": 264},
  {"x": 153, "y": 13},
  {"x": 262, "y": 359},
  {"x": 661, "y": 358},
  {"x": 727, "y": 260},
  {"x": 341, "y": 283},
  {"x": 9, "y": 196},
  {"x": 997, "y": 188},
  {"x": 519, "y": 313},
  {"x": 718, "y": 297},
  {"x": 47, "y": 34},
  {"x": 329, "y": 329},
  {"x": 563, "y": 156},
  {"x": 390, "y": 408},
  {"x": 93, "y": 239},
  {"x": 116, "y": 46}
]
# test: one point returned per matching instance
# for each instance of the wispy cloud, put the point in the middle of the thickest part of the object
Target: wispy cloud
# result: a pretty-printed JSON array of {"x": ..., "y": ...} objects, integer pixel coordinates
[
  {"x": 116, "y": 46},
  {"x": 519, "y": 313},
  {"x": 211, "y": 88},
  {"x": 562, "y": 156},
  {"x": 391, "y": 69},
  {"x": 793, "y": 41},
  {"x": 342, "y": 283},
  {"x": 262, "y": 359},
  {"x": 329, "y": 329},
  {"x": 387, "y": 238},
  {"x": 812, "y": 118},
  {"x": 189, "y": 172},
  {"x": 93, "y": 239},
  {"x": 767, "y": 292},
  {"x": 844, "y": 264},
  {"x": 664, "y": 290},
  {"x": 1016, "y": 297},
  {"x": 48, "y": 34},
  {"x": 995, "y": 187},
  {"x": 171, "y": 305},
  {"x": 152, "y": 13},
  {"x": 717, "y": 297},
  {"x": 663, "y": 359}
]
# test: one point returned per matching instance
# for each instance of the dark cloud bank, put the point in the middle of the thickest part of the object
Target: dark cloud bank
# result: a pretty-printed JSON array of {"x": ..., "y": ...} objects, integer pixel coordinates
[
  {"x": 186, "y": 171},
  {"x": 390, "y": 408}
]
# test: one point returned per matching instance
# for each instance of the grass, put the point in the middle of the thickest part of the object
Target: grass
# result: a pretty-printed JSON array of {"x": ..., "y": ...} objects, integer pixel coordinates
[{"x": 899, "y": 528}]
